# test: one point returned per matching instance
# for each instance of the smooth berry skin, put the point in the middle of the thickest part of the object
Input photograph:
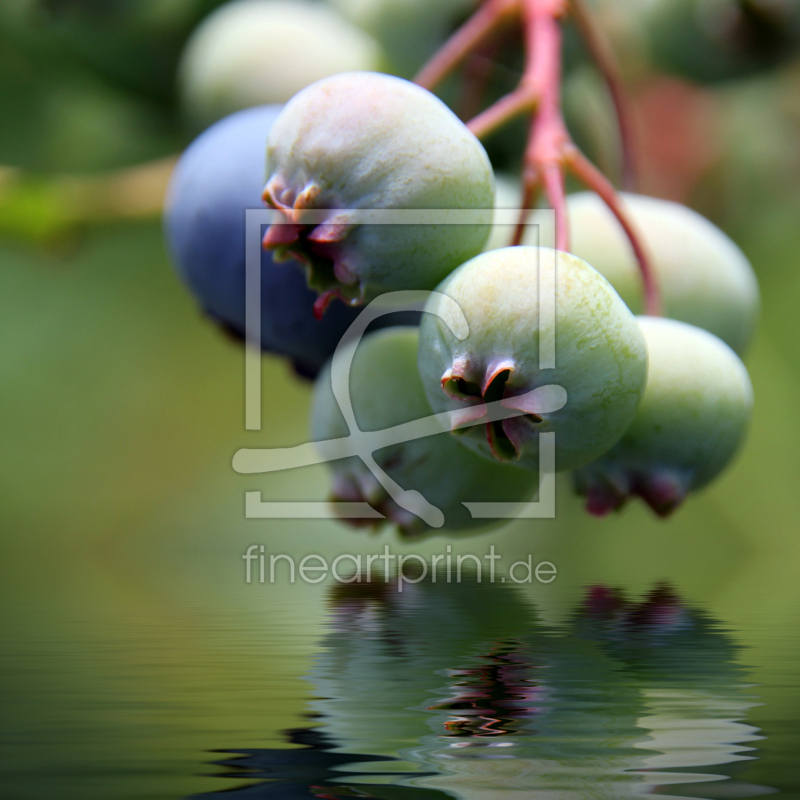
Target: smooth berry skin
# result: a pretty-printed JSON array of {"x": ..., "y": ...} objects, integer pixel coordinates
[
  {"x": 600, "y": 355},
  {"x": 365, "y": 141},
  {"x": 703, "y": 277},
  {"x": 386, "y": 390},
  {"x": 690, "y": 423},
  {"x": 219, "y": 177},
  {"x": 262, "y": 52}
]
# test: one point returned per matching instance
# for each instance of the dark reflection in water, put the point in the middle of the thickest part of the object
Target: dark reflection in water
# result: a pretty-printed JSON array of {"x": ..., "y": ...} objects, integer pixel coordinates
[
  {"x": 459, "y": 690},
  {"x": 291, "y": 774}
]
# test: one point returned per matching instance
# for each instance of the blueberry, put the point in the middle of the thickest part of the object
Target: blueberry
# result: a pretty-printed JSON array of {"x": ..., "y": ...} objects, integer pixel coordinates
[
  {"x": 362, "y": 141},
  {"x": 254, "y": 52},
  {"x": 386, "y": 390},
  {"x": 600, "y": 355},
  {"x": 704, "y": 278},
  {"x": 690, "y": 423},
  {"x": 218, "y": 177}
]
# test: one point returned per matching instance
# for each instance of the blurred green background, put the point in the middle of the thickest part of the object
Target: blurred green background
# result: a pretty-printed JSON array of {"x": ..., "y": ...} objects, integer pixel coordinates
[{"x": 131, "y": 646}]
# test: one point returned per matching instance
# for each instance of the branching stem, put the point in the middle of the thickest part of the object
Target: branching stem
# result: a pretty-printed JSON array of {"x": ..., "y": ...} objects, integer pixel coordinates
[
  {"x": 591, "y": 177},
  {"x": 603, "y": 56},
  {"x": 504, "y": 110},
  {"x": 490, "y": 15},
  {"x": 548, "y": 136},
  {"x": 550, "y": 151}
]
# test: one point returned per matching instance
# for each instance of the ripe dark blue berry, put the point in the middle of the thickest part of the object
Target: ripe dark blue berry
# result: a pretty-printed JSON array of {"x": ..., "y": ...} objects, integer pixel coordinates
[{"x": 220, "y": 175}]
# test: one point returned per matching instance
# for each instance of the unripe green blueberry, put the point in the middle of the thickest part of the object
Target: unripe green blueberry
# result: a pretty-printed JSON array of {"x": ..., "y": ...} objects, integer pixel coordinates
[
  {"x": 386, "y": 391},
  {"x": 363, "y": 140},
  {"x": 691, "y": 421},
  {"x": 254, "y": 52},
  {"x": 704, "y": 278},
  {"x": 600, "y": 355},
  {"x": 409, "y": 30}
]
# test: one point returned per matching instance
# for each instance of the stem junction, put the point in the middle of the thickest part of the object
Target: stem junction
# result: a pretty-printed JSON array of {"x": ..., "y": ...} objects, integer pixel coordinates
[{"x": 550, "y": 153}]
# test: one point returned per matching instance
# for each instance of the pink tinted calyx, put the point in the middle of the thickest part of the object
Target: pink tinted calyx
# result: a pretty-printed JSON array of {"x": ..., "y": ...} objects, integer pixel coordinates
[
  {"x": 279, "y": 237},
  {"x": 603, "y": 498},
  {"x": 507, "y": 437},
  {"x": 662, "y": 489},
  {"x": 324, "y": 300},
  {"x": 366, "y": 489},
  {"x": 319, "y": 245}
]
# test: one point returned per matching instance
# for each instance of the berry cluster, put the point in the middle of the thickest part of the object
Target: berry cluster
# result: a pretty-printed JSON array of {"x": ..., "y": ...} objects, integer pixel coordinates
[{"x": 656, "y": 405}]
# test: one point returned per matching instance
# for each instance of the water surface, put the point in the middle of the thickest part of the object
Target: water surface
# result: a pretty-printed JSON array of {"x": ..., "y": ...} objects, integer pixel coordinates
[{"x": 130, "y": 676}]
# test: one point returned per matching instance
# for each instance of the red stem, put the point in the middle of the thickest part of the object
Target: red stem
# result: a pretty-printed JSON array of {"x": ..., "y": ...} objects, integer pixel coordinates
[
  {"x": 530, "y": 192},
  {"x": 548, "y": 136},
  {"x": 601, "y": 52},
  {"x": 474, "y": 32},
  {"x": 554, "y": 188},
  {"x": 503, "y": 111},
  {"x": 550, "y": 149},
  {"x": 597, "y": 182}
]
